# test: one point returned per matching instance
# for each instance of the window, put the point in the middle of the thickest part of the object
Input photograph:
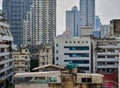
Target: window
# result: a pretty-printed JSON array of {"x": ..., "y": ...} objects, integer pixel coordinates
[
  {"x": 110, "y": 56},
  {"x": 25, "y": 63},
  {"x": 77, "y": 47},
  {"x": 56, "y": 58},
  {"x": 47, "y": 50},
  {"x": 101, "y": 56},
  {"x": 77, "y": 54},
  {"x": 83, "y": 68},
  {"x": 86, "y": 41},
  {"x": 57, "y": 51},
  {"x": 78, "y": 61},
  {"x": 56, "y": 44},
  {"x": 82, "y": 41},
  {"x": 53, "y": 79},
  {"x": 86, "y": 79}
]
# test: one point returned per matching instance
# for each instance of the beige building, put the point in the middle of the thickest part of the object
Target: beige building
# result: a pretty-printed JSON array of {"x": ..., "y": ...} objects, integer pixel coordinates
[
  {"x": 21, "y": 60},
  {"x": 57, "y": 79},
  {"x": 45, "y": 55},
  {"x": 86, "y": 30},
  {"x": 115, "y": 28}
]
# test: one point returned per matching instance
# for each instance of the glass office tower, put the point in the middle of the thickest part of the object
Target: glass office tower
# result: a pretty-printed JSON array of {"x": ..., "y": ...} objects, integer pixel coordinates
[
  {"x": 15, "y": 11},
  {"x": 87, "y": 12}
]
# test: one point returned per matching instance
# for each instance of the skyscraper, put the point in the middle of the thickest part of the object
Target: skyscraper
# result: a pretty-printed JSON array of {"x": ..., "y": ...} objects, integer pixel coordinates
[
  {"x": 87, "y": 12},
  {"x": 73, "y": 22},
  {"x": 15, "y": 11},
  {"x": 97, "y": 23},
  {"x": 40, "y": 26}
]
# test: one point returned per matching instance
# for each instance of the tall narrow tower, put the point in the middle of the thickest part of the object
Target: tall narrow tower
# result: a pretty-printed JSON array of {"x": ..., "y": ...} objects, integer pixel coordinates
[
  {"x": 73, "y": 22},
  {"x": 87, "y": 12}
]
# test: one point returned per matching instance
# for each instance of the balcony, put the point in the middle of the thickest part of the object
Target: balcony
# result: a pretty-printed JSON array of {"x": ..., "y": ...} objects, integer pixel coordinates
[
  {"x": 76, "y": 51},
  {"x": 4, "y": 45},
  {"x": 7, "y": 38},
  {"x": 21, "y": 66},
  {"x": 107, "y": 59},
  {"x": 7, "y": 75},
  {"x": 4, "y": 54},
  {"x": 110, "y": 46},
  {"x": 108, "y": 53},
  {"x": 4, "y": 24},
  {"x": 108, "y": 66},
  {"x": 5, "y": 69},
  {"x": 6, "y": 61}
]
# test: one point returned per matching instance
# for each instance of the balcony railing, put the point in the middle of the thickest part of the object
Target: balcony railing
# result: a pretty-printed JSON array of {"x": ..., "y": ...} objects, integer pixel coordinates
[
  {"x": 5, "y": 53},
  {"x": 6, "y": 61},
  {"x": 7, "y": 75},
  {"x": 5, "y": 69}
]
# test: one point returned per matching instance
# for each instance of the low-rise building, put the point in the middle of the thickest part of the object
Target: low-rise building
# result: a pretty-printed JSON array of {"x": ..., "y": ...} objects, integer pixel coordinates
[
  {"x": 45, "y": 55},
  {"x": 21, "y": 60},
  {"x": 57, "y": 79}
]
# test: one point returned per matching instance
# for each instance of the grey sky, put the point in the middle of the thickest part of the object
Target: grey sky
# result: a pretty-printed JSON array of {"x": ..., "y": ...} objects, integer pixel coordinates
[{"x": 106, "y": 9}]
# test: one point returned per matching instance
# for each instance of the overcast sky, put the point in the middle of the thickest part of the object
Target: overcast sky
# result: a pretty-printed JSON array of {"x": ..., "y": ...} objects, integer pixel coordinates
[{"x": 106, "y": 9}]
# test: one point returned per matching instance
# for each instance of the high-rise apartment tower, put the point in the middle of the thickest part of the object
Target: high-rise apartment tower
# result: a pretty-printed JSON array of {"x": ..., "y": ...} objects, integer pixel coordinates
[{"x": 40, "y": 26}]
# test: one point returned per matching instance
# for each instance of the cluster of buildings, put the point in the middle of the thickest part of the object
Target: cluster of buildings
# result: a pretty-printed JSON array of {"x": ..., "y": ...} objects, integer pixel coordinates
[
  {"x": 51, "y": 76},
  {"x": 86, "y": 45}
]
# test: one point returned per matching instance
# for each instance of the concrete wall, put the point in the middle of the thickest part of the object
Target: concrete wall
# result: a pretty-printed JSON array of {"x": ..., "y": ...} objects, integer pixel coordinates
[{"x": 31, "y": 86}]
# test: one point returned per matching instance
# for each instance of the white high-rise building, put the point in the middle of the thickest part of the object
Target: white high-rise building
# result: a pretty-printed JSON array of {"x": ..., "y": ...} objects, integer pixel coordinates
[
  {"x": 40, "y": 25},
  {"x": 87, "y": 12},
  {"x": 73, "y": 22},
  {"x": 6, "y": 59}
]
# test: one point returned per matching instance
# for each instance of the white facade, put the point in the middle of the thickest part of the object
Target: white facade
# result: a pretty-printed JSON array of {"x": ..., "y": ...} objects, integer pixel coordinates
[
  {"x": 41, "y": 22},
  {"x": 73, "y": 22},
  {"x": 75, "y": 51},
  {"x": 105, "y": 31},
  {"x": 107, "y": 55},
  {"x": 6, "y": 59}
]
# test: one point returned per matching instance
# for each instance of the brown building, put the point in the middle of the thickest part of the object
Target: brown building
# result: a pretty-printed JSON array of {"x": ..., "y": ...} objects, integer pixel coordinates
[{"x": 115, "y": 28}]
